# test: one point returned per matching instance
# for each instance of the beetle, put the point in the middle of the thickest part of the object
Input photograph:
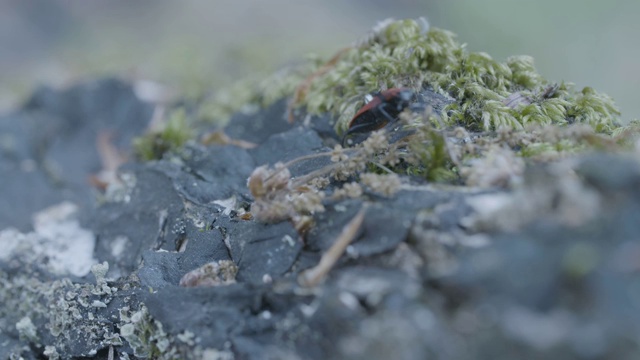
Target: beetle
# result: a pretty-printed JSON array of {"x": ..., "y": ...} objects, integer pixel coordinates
[{"x": 384, "y": 108}]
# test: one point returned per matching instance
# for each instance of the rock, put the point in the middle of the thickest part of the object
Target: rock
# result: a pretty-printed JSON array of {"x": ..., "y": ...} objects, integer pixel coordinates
[
  {"x": 290, "y": 145},
  {"x": 257, "y": 128},
  {"x": 49, "y": 146},
  {"x": 544, "y": 270},
  {"x": 210, "y": 174}
]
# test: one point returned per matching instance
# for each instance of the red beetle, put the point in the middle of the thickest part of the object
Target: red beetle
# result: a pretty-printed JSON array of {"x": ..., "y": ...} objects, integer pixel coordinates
[{"x": 384, "y": 108}]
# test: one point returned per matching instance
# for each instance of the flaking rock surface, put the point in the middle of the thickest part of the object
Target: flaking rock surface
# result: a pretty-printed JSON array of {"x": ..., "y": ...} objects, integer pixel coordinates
[{"x": 432, "y": 273}]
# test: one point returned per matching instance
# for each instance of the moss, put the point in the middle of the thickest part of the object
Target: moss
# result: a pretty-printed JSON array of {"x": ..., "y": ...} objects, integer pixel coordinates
[
  {"x": 627, "y": 135},
  {"x": 488, "y": 95},
  {"x": 406, "y": 53},
  {"x": 172, "y": 136},
  {"x": 431, "y": 157},
  {"x": 523, "y": 72},
  {"x": 252, "y": 93},
  {"x": 595, "y": 109},
  {"x": 410, "y": 53}
]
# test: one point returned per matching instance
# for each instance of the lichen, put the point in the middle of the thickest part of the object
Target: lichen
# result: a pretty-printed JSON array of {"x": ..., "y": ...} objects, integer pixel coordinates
[
  {"x": 146, "y": 336},
  {"x": 26, "y": 329},
  {"x": 50, "y": 313}
]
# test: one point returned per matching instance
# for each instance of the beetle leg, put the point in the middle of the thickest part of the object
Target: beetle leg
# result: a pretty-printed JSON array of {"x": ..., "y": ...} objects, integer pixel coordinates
[
  {"x": 370, "y": 126},
  {"x": 385, "y": 113}
]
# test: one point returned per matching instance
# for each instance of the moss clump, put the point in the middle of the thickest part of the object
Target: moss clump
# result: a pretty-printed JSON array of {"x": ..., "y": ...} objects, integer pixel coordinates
[
  {"x": 173, "y": 134},
  {"x": 251, "y": 94},
  {"x": 595, "y": 109},
  {"x": 408, "y": 53},
  {"x": 431, "y": 156},
  {"x": 627, "y": 135},
  {"x": 506, "y": 105}
]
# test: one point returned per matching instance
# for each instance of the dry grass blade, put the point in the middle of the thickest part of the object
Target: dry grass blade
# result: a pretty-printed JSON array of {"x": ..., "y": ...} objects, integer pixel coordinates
[
  {"x": 315, "y": 275},
  {"x": 301, "y": 91}
]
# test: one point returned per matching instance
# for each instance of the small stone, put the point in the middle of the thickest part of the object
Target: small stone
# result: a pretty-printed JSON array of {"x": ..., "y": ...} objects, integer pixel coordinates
[{"x": 215, "y": 273}]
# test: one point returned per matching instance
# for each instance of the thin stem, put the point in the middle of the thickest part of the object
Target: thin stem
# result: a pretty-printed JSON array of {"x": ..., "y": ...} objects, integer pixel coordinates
[
  {"x": 382, "y": 167},
  {"x": 303, "y": 158},
  {"x": 315, "y": 275}
]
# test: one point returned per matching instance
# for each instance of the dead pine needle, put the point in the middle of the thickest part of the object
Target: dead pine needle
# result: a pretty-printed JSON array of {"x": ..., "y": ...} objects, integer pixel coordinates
[{"x": 315, "y": 275}]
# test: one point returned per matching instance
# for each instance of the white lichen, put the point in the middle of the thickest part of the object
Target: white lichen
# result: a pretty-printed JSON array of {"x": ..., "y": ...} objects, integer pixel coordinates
[{"x": 26, "y": 329}]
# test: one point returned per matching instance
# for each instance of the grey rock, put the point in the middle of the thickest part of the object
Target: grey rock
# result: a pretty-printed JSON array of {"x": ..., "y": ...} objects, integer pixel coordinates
[
  {"x": 49, "y": 145},
  {"x": 417, "y": 282},
  {"x": 210, "y": 174},
  {"x": 290, "y": 145},
  {"x": 262, "y": 250},
  {"x": 257, "y": 128}
]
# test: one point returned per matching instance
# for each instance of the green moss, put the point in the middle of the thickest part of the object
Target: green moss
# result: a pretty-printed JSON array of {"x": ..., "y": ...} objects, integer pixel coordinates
[
  {"x": 627, "y": 135},
  {"x": 431, "y": 157},
  {"x": 523, "y": 72},
  {"x": 252, "y": 93},
  {"x": 404, "y": 53},
  {"x": 411, "y": 54},
  {"x": 172, "y": 136},
  {"x": 220, "y": 106},
  {"x": 488, "y": 97},
  {"x": 595, "y": 109},
  {"x": 550, "y": 150}
]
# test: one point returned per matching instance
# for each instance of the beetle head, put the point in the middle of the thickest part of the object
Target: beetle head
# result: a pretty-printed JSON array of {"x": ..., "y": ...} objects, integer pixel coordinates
[{"x": 403, "y": 99}]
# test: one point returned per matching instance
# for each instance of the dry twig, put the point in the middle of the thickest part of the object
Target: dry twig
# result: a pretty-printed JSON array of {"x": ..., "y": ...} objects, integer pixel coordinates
[{"x": 315, "y": 275}]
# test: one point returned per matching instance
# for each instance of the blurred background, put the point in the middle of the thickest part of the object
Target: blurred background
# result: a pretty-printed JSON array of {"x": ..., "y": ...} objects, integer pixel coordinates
[{"x": 191, "y": 45}]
